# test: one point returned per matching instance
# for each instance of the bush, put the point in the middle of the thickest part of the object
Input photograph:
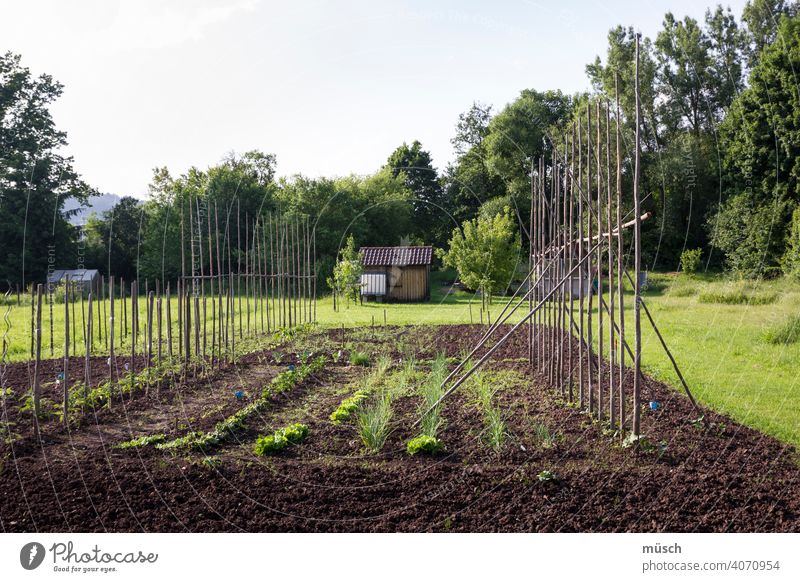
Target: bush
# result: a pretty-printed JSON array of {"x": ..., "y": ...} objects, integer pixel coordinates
[
  {"x": 690, "y": 261},
  {"x": 424, "y": 444},
  {"x": 280, "y": 439},
  {"x": 787, "y": 332},
  {"x": 749, "y": 234}
]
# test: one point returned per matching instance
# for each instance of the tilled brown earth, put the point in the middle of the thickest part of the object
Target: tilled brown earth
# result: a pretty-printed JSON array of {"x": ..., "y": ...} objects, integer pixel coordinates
[{"x": 725, "y": 478}]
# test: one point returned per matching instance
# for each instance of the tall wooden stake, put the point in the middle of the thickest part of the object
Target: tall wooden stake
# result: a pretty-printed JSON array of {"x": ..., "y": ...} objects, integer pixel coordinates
[
  {"x": 111, "y": 356},
  {"x": 37, "y": 388},
  {"x": 637, "y": 234},
  {"x": 66, "y": 352}
]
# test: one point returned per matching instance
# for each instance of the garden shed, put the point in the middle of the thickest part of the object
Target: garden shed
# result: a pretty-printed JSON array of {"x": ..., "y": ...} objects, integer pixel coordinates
[
  {"x": 87, "y": 280},
  {"x": 397, "y": 273}
]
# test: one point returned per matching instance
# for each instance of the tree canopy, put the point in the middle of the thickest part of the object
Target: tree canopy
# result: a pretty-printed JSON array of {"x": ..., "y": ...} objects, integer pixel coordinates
[
  {"x": 35, "y": 178},
  {"x": 486, "y": 253}
]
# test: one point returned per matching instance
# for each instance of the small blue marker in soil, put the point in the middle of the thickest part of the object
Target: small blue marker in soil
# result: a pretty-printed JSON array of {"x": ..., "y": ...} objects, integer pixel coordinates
[
  {"x": 291, "y": 367},
  {"x": 60, "y": 376},
  {"x": 654, "y": 405},
  {"x": 239, "y": 394}
]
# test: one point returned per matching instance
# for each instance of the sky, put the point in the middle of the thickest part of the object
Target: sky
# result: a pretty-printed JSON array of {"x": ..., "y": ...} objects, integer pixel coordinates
[{"x": 331, "y": 88}]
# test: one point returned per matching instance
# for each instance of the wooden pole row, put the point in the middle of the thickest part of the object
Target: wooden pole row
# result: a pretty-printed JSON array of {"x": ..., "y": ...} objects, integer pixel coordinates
[
  {"x": 232, "y": 286},
  {"x": 575, "y": 216}
]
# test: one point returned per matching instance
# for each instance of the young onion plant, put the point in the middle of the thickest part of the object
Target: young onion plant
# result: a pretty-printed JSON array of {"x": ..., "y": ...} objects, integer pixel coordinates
[
  {"x": 374, "y": 419},
  {"x": 495, "y": 425},
  {"x": 375, "y": 409},
  {"x": 431, "y": 390}
]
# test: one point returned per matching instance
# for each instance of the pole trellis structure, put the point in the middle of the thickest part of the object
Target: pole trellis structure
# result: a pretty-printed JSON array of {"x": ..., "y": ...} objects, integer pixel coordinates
[{"x": 573, "y": 303}]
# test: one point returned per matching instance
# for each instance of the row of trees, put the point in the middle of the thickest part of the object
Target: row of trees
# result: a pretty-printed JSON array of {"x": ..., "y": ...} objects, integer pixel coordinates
[
  {"x": 719, "y": 161},
  {"x": 719, "y": 164}
]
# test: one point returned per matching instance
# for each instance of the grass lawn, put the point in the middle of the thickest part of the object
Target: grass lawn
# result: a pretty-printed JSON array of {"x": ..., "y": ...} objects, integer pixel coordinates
[
  {"x": 717, "y": 340},
  {"x": 722, "y": 351}
]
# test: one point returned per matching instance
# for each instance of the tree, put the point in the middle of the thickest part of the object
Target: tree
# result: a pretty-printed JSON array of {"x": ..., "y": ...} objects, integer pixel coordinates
[
  {"x": 791, "y": 258},
  {"x": 760, "y": 139},
  {"x": 469, "y": 182},
  {"x": 761, "y": 18},
  {"x": 683, "y": 57},
  {"x": 520, "y": 133},
  {"x": 750, "y": 234},
  {"x": 113, "y": 239},
  {"x": 230, "y": 194},
  {"x": 728, "y": 47},
  {"x": 486, "y": 253},
  {"x": 35, "y": 180},
  {"x": 472, "y": 128},
  {"x": 346, "y": 279},
  {"x": 619, "y": 70},
  {"x": 416, "y": 167}
]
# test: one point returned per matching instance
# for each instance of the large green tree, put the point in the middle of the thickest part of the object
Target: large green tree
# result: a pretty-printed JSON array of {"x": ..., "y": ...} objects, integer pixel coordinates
[
  {"x": 112, "y": 239},
  {"x": 485, "y": 252},
  {"x": 761, "y": 143},
  {"x": 35, "y": 178},
  {"x": 521, "y": 133},
  {"x": 469, "y": 182},
  {"x": 227, "y": 198},
  {"x": 430, "y": 213},
  {"x": 761, "y": 18}
]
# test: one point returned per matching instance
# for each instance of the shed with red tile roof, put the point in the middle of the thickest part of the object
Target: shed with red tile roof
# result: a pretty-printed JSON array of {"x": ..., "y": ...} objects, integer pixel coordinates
[{"x": 397, "y": 273}]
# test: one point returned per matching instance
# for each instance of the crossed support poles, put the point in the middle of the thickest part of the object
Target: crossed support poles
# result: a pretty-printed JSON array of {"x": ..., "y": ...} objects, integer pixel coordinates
[{"x": 575, "y": 232}]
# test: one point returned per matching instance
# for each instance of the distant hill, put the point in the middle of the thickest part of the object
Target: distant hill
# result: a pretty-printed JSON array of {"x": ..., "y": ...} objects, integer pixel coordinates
[{"x": 97, "y": 204}]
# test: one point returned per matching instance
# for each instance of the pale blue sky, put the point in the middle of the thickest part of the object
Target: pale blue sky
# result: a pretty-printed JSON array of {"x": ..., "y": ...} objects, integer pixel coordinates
[{"x": 330, "y": 88}]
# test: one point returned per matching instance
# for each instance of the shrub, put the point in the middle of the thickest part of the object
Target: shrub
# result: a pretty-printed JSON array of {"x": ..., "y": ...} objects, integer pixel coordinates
[
  {"x": 280, "y": 439},
  {"x": 791, "y": 258},
  {"x": 748, "y": 234},
  {"x": 690, "y": 261},
  {"x": 787, "y": 332},
  {"x": 424, "y": 444}
]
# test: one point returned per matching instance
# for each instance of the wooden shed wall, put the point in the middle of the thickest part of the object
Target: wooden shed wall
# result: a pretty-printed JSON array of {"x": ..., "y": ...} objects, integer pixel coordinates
[{"x": 409, "y": 283}]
